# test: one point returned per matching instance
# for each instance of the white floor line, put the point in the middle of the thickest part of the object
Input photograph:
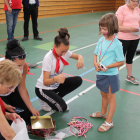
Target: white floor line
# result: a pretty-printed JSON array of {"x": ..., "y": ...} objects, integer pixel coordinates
[
  {"x": 67, "y": 102},
  {"x": 86, "y": 90},
  {"x": 83, "y": 92},
  {"x": 72, "y": 99},
  {"x": 75, "y": 50},
  {"x": 49, "y": 113},
  {"x": 136, "y": 58},
  {"x": 122, "y": 67},
  {"x": 84, "y": 47},
  {"x": 39, "y": 62},
  {"x": 125, "y": 64}
]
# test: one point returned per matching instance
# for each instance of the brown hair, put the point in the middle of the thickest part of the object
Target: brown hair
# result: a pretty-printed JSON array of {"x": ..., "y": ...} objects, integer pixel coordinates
[
  {"x": 109, "y": 21},
  {"x": 63, "y": 37},
  {"x": 10, "y": 74}
]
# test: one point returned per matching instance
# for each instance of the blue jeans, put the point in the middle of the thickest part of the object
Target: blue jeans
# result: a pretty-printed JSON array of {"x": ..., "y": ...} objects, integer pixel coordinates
[{"x": 11, "y": 20}]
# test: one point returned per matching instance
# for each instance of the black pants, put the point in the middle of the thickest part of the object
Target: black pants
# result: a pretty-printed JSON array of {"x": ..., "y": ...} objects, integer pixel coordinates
[
  {"x": 1, "y": 137},
  {"x": 54, "y": 100},
  {"x": 14, "y": 99},
  {"x": 33, "y": 11},
  {"x": 129, "y": 48}
]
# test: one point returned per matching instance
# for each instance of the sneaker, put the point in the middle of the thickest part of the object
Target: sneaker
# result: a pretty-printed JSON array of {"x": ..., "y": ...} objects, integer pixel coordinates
[
  {"x": 138, "y": 52},
  {"x": 25, "y": 39},
  {"x": 132, "y": 79},
  {"x": 67, "y": 108},
  {"x": 32, "y": 65},
  {"x": 45, "y": 106},
  {"x": 38, "y": 38}
]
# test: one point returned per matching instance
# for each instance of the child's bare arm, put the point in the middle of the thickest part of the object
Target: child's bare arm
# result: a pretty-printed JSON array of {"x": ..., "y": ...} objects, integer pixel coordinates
[
  {"x": 97, "y": 66},
  {"x": 116, "y": 64}
]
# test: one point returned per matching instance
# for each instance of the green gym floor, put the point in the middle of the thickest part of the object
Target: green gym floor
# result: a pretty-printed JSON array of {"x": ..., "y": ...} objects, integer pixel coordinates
[{"x": 84, "y": 36}]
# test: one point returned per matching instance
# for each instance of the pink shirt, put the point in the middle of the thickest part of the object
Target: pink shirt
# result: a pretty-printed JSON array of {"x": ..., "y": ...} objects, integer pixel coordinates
[{"x": 129, "y": 19}]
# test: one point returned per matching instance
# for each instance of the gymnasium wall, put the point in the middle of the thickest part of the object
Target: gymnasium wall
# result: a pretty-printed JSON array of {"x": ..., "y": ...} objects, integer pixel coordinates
[
  {"x": 53, "y": 8},
  {"x": 119, "y": 3}
]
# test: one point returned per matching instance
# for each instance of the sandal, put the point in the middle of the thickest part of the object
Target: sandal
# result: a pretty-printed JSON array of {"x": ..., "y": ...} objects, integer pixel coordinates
[
  {"x": 109, "y": 125},
  {"x": 94, "y": 115}
]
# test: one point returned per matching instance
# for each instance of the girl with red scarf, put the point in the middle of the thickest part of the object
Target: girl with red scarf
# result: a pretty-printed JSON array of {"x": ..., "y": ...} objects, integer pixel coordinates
[{"x": 52, "y": 85}]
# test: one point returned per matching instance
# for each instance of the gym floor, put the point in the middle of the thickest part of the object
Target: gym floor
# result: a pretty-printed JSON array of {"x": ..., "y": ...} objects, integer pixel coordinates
[{"x": 84, "y": 37}]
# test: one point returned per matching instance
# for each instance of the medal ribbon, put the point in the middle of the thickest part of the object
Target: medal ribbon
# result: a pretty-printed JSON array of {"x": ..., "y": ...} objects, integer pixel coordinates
[{"x": 106, "y": 49}]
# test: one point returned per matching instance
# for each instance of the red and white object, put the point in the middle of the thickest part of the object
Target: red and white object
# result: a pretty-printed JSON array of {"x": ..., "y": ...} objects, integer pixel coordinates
[{"x": 82, "y": 126}]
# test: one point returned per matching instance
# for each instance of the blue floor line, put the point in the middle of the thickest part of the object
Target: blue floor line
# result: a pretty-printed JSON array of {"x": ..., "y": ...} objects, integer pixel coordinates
[
  {"x": 35, "y": 98},
  {"x": 87, "y": 72},
  {"x": 79, "y": 75}
]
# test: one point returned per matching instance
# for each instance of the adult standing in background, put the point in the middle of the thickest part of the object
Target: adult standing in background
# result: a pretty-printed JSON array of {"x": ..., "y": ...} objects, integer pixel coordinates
[
  {"x": 30, "y": 7},
  {"x": 12, "y": 9},
  {"x": 129, "y": 21}
]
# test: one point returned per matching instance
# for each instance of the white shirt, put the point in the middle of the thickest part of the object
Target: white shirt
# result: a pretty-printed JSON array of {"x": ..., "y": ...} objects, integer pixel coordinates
[
  {"x": 32, "y": 1},
  {"x": 49, "y": 65}
]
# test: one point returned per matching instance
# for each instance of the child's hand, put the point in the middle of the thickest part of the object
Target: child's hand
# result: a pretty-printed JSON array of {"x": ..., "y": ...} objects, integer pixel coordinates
[
  {"x": 80, "y": 62},
  {"x": 60, "y": 78},
  {"x": 97, "y": 66},
  {"x": 13, "y": 117},
  {"x": 104, "y": 70}
]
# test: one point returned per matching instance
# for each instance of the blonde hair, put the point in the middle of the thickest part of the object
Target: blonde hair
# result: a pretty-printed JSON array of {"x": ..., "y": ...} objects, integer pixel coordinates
[
  {"x": 10, "y": 74},
  {"x": 109, "y": 21}
]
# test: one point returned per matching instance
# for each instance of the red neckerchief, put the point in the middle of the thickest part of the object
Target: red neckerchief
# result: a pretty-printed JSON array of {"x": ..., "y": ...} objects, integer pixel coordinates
[
  {"x": 2, "y": 106},
  {"x": 57, "y": 61}
]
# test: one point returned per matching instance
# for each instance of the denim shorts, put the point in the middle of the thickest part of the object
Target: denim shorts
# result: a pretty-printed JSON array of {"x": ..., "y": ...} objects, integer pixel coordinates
[{"x": 103, "y": 82}]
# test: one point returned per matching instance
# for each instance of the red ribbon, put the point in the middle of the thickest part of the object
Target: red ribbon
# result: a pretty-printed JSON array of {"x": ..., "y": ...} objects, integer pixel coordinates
[
  {"x": 57, "y": 61},
  {"x": 2, "y": 106},
  {"x": 28, "y": 69},
  {"x": 82, "y": 126}
]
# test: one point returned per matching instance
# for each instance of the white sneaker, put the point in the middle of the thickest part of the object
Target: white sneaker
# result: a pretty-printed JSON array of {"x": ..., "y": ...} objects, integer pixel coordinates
[
  {"x": 45, "y": 106},
  {"x": 67, "y": 108}
]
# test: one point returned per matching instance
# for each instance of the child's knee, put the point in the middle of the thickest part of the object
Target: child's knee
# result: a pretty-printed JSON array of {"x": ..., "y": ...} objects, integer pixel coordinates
[
  {"x": 79, "y": 80},
  {"x": 63, "y": 108},
  {"x": 104, "y": 95},
  {"x": 110, "y": 97}
]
